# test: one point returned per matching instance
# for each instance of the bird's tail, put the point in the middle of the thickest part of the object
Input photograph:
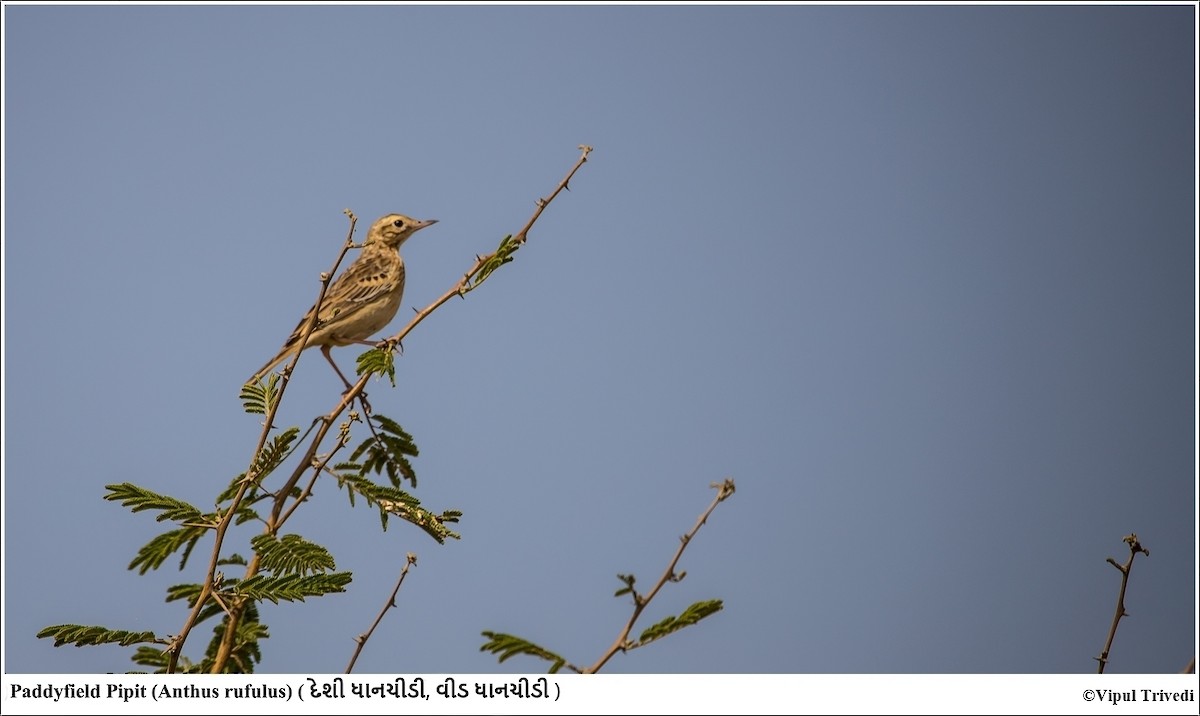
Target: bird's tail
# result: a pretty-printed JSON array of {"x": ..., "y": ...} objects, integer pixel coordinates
[{"x": 284, "y": 352}]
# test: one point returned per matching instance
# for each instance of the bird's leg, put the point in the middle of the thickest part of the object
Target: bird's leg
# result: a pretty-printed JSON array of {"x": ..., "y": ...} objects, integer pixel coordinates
[
  {"x": 390, "y": 343},
  {"x": 362, "y": 396}
]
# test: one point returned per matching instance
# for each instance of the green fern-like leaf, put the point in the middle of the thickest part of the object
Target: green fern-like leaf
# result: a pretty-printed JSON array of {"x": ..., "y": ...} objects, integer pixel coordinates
[
  {"x": 261, "y": 396},
  {"x": 387, "y": 450},
  {"x": 352, "y": 476},
  {"x": 507, "y": 645},
  {"x": 293, "y": 587},
  {"x": 690, "y": 616},
  {"x": 156, "y": 551},
  {"x": 81, "y": 635},
  {"x": 232, "y": 489},
  {"x": 156, "y": 659},
  {"x": 245, "y": 514},
  {"x": 392, "y": 501},
  {"x": 139, "y": 499},
  {"x": 503, "y": 254},
  {"x": 434, "y": 525},
  {"x": 274, "y": 453},
  {"x": 391, "y": 427},
  {"x": 377, "y": 361},
  {"x": 252, "y": 494},
  {"x": 190, "y": 592},
  {"x": 291, "y": 554}
]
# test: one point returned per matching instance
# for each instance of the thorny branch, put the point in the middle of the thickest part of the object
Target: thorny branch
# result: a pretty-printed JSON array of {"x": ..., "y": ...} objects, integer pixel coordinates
[
  {"x": 361, "y": 639},
  {"x": 1134, "y": 547},
  {"x": 206, "y": 591},
  {"x": 309, "y": 460},
  {"x": 622, "y": 643}
]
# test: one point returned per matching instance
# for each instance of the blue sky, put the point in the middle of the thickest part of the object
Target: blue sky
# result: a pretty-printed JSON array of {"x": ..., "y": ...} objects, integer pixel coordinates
[{"x": 920, "y": 279}]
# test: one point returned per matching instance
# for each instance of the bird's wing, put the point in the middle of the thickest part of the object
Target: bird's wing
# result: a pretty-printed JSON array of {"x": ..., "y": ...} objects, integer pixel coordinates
[
  {"x": 363, "y": 281},
  {"x": 370, "y": 276}
]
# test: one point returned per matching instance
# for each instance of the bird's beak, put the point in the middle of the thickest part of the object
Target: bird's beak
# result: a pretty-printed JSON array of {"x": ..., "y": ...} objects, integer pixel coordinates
[{"x": 423, "y": 224}]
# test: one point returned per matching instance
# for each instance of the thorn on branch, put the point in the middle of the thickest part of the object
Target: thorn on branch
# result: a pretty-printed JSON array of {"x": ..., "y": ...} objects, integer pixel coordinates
[
  {"x": 390, "y": 343},
  {"x": 1134, "y": 547}
]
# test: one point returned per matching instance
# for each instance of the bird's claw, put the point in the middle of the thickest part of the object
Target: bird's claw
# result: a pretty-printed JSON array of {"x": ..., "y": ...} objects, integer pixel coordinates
[{"x": 390, "y": 343}]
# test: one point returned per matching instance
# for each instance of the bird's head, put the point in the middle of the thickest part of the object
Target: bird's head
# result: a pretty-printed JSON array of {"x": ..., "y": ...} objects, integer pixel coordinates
[{"x": 393, "y": 229}]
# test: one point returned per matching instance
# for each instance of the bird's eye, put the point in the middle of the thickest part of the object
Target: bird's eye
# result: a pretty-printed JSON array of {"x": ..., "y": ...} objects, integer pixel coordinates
[{"x": 398, "y": 223}]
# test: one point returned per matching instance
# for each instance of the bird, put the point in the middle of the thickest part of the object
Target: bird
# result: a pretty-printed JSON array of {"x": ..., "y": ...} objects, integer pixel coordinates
[{"x": 362, "y": 300}]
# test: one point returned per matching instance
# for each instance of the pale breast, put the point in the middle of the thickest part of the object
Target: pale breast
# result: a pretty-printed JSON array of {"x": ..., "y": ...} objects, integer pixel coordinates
[{"x": 365, "y": 300}]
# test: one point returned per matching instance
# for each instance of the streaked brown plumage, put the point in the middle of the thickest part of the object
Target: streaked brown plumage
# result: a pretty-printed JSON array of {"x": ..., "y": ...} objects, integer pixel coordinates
[{"x": 363, "y": 300}]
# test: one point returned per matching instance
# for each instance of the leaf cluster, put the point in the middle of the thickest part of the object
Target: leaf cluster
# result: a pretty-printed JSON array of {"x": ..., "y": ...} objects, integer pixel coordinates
[
  {"x": 284, "y": 567},
  {"x": 508, "y": 646},
  {"x": 488, "y": 264}
]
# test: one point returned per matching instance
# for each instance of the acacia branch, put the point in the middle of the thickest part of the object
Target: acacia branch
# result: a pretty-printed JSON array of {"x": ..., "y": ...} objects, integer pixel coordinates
[
  {"x": 464, "y": 284},
  {"x": 326, "y": 277},
  {"x": 622, "y": 643},
  {"x": 175, "y": 648},
  {"x": 321, "y": 467},
  {"x": 278, "y": 517},
  {"x": 278, "y": 514},
  {"x": 1134, "y": 547},
  {"x": 361, "y": 639},
  {"x": 460, "y": 288},
  {"x": 225, "y": 648}
]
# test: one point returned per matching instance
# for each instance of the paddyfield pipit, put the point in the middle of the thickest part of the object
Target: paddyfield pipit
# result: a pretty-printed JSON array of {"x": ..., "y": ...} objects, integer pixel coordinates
[{"x": 362, "y": 300}]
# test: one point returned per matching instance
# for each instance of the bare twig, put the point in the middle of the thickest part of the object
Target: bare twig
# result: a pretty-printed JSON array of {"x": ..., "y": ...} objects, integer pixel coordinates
[
  {"x": 361, "y": 639},
  {"x": 1134, "y": 547},
  {"x": 318, "y": 468},
  {"x": 724, "y": 490}
]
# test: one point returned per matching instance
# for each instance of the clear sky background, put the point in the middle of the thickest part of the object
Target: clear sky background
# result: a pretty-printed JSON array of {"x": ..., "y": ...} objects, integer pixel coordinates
[{"x": 920, "y": 279}]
